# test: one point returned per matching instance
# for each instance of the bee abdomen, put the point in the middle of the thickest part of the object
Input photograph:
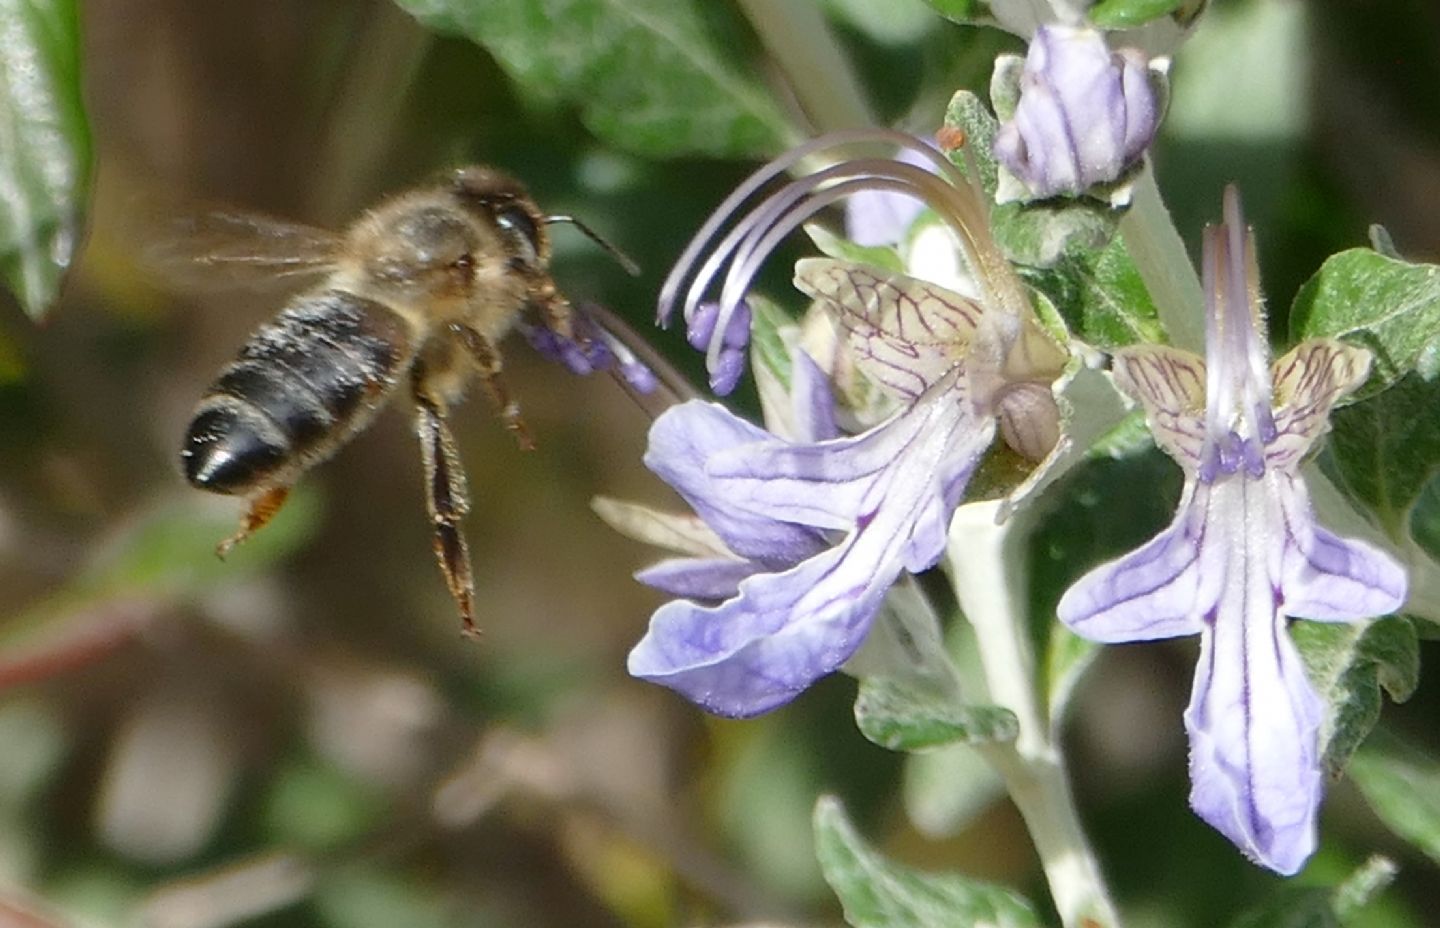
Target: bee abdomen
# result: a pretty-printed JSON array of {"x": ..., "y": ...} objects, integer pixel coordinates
[{"x": 302, "y": 384}]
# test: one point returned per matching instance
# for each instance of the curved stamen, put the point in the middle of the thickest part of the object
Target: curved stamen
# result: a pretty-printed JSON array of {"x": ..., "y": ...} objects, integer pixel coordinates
[{"x": 727, "y": 209}]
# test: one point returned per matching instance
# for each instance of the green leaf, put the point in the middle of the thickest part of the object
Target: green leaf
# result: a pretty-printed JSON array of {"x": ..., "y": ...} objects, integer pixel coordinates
[
  {"x": 883, "y": 257},
  {"x": 1292, "y": 907},
  {"x": 895, "y": 22},
  {"x": 969, "y": 114},
  {"x": 876, "y": 893},
  {"x": 1321, "y": 907},
  {"x": 769, "y": 348},
  {"x": 964, "y": 12},
  {"x": 1101, "y": 296},
  {"x": 1127, "y": 14},
  {"x": 44, "y": 147},
  {"x": 170, "y": 550},
  {"x": 1389, "y": 306},
  {"x": 1041, "y": 234},
  {"x": 1387, "y": 448},
  {"x": 1402, "y": 784},
  {"x": 165, "y": 556},
  {"x": 904, "y": 716},
  {"x": 1349, "y": 665},
  {"x": 658, "y": 77},
  {"x": 1425, "y": 520}
]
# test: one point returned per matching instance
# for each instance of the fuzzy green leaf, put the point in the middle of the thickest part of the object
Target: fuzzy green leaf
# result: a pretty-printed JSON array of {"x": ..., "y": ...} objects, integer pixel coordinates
[
  {"x": 1349, "y": 665},
  {"x": 1387, "y": 448},
  {"x": 1101, "y": 296},
  {"x": 1389, "y": 306},
  {"x": 659, "y": 77},
  {"x": 876, "y": 893},
  {"x": 44, "y": 147},
  {"x": 1402, "y": 784},
  {"x": 909, "y": 717}
]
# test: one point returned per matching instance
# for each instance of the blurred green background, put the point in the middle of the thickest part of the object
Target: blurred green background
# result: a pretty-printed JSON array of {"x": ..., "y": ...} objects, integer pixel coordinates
[{"x": 300, "y": 736}]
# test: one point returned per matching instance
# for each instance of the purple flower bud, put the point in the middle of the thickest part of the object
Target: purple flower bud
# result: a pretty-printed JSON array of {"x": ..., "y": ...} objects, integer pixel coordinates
[{"x": 1085, "y": 114}]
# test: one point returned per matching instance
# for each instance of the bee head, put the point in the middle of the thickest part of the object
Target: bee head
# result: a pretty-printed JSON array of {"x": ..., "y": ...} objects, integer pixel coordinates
[{"x": 502, "y": 200}]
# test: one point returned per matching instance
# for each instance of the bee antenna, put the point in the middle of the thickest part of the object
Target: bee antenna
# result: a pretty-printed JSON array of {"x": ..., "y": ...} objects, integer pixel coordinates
[{"x": 630, "y": 266}]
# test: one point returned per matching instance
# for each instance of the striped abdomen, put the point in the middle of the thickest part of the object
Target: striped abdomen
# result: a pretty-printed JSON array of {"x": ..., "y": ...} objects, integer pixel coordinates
[{"x": 303, "y": 383}]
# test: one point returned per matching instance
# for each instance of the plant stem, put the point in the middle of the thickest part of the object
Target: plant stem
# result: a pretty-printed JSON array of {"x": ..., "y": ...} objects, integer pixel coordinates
[
  {"x": 1164, "y": 264},
  {"x": 988, "y": 566},
  {"x": 799, "y": 39}
]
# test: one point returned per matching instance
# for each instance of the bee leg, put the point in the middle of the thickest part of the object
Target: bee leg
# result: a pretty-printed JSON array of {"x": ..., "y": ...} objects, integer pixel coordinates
[
  {"x": 447, "y": 500},
  {"x": 555, "y": 310},
  {"x": 261, "y": 510},
  {"x": 488, "y": 361}
]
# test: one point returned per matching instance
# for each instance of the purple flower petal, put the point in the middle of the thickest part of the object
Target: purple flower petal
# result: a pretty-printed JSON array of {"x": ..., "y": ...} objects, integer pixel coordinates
[
  {"x": 682, "y": 440},
  {"x": 1328, "y": 578},
  {"x": 1253, "y": 722},
  {"x": 785, "y": 630},
  {"x": 1149, "y": 593},
  {"x": 704, "y": 579},
  {"x": 779, "y": 635},
  {"x": 811, "y": 400},
  {"x": 836, "y": 484}
]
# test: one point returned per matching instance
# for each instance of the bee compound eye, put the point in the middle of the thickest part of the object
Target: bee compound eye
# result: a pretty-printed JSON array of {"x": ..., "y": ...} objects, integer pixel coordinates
[{"x": 521, "y": 233}]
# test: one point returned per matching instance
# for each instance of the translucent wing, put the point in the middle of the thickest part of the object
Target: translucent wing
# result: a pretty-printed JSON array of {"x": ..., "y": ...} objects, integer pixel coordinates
[
  {"x": 225, "y": 249},
  {"x": 906, "y": 333}
]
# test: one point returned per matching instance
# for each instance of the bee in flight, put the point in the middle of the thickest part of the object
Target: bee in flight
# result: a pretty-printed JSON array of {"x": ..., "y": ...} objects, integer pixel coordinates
[{"x": 418, "y": 293}]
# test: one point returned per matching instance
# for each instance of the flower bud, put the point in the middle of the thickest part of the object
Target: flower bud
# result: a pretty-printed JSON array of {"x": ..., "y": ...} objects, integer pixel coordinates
[{"x": 1084, "y": 114}]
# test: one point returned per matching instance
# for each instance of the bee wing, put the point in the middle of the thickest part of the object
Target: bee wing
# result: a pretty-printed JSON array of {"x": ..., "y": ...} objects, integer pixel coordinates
[
  {"x": 905, "y": 333},
  {"x": 224, "y": 249}
]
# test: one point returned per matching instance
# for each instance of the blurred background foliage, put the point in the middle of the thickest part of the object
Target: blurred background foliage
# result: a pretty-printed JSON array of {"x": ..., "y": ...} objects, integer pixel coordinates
[{"x": 299, "y": 736}]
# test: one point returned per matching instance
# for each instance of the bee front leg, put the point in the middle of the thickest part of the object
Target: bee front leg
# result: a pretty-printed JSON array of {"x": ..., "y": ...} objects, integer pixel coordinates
[
  {"x": 447, "y": 499},
  {"x": 559, "y": 316},
  {"x": 260, "y": 510},
  {"x": 489, "y": 364}
]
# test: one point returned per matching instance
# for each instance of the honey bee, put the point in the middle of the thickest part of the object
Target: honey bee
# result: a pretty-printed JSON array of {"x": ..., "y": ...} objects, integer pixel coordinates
[{"x": 419, "y": 291}]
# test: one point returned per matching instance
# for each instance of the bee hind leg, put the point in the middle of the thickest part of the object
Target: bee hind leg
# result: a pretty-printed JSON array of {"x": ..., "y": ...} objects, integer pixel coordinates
[
  {"x": 260, "y": 510},
  {"x": 447, "y": 499},
  {"x": 489, "y": 364}
]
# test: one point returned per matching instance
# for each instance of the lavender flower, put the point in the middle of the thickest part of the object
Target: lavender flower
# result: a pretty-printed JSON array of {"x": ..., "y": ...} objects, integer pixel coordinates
[
  {"x": 1084, "y": 115},
  {"x": 827, "y": 526},
  {"x": 1243, "y": 554}
]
